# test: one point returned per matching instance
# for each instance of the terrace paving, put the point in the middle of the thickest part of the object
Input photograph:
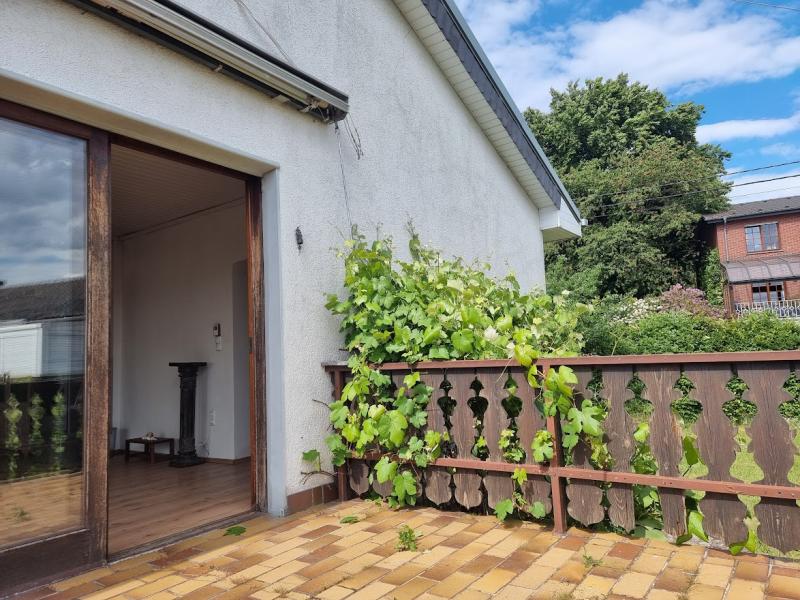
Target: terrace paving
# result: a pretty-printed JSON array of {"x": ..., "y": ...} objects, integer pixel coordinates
[{"x": 314, "y": 555}]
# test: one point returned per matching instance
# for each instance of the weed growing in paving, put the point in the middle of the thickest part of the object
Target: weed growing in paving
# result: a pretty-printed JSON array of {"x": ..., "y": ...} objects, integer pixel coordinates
[{"x": 407, "y": 539}]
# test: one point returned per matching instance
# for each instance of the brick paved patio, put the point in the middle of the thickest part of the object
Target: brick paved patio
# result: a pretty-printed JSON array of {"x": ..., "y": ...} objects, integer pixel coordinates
[{"x": 313, "y": 555}]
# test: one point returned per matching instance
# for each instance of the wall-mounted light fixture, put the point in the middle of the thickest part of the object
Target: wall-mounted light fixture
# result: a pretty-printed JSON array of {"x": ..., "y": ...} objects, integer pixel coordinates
[{"x": 298, "y": 237}]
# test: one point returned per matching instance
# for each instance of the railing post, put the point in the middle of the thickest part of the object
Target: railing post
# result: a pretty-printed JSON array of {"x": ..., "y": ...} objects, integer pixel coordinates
[
  {"x": 558, "y": 490},
  {"x": 341, "y": 472}
]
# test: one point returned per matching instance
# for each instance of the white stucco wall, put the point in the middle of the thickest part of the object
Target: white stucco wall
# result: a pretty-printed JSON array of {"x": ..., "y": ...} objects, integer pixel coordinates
[{"x": 424, "y": 159}]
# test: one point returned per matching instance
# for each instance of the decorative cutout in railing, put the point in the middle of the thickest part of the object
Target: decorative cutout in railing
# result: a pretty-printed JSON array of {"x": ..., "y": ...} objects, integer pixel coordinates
[{"x": 723, "y": 425}]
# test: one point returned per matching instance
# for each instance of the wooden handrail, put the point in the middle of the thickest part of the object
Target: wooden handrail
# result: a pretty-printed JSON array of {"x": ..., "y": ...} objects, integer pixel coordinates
[{"x": 622, "y": 359}]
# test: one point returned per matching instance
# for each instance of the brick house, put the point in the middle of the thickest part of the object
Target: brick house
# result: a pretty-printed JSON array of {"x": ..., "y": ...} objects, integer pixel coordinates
[{"x": 759, "y": 248}]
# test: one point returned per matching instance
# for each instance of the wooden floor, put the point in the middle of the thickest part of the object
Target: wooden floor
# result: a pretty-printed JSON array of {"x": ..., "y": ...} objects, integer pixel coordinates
[
  {"x": 148, "y": 502},
  {"x": 37, "y": 506}
]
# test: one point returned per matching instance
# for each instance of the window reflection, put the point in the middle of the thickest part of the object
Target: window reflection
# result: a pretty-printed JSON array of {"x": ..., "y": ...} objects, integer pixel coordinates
[{"x": 43, "y": 190}]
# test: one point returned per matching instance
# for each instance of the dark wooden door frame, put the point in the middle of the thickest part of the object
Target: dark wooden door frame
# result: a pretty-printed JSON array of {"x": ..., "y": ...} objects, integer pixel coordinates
[
  {"x": 256, "y": 317},
  {"x": 82, "y": 547},
  {"x": 63, "y": 553}
]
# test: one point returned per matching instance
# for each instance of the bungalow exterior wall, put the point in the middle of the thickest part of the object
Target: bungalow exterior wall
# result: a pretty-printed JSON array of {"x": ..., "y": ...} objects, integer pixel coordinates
[{"x": 425, "y": 160}]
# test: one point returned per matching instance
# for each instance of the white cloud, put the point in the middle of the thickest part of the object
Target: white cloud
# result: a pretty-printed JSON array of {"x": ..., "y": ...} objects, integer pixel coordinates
[
  {"x": 671, "y": 44},
  {"x": 747, "y": 128},
  {"x": 782, "y": 149}
]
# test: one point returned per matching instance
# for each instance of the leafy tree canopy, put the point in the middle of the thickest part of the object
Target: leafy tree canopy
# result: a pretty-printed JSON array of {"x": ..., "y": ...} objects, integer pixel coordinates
[{"x": 632, "y": 163}]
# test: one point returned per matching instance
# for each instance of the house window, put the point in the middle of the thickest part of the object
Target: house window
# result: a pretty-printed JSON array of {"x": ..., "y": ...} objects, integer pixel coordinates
[
  {"x": 761, "y": 237},
  {"x": 770, "y": 291}
]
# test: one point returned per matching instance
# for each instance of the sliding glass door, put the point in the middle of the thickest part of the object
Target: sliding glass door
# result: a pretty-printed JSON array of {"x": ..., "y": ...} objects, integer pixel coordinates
[
  {"x": 43, "y": 191},
  {"x": 49, "y": 487}
]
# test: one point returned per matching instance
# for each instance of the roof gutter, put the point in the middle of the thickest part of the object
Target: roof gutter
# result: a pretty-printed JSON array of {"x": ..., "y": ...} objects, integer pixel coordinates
[{"x": 186, "y": 32}]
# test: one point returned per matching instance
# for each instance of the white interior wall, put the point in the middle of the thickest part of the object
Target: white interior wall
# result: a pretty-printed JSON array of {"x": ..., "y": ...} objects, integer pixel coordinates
[{"x": 172, "y": 285}]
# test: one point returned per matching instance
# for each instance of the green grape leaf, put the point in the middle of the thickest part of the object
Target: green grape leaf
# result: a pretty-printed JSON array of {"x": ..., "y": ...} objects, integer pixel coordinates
[
  {"x": 504, "y": 508},
  {"x": 694, "y": 525},
  {"x": 349, "y": 519},
  {"x": 385, "y": 469},
  {"x": 642, "y": 433},
  {"x": 538, "y": 511},
  {"x": 236, "y": 530},
  {"x": 419, "y": 418},
  {"x": 520, "y": 476},
  {"x": 504, "y": 323},
  {"x": 463, "y": 340},
  {"x": 311, "y": 455},
  {"x": 439, "y": 353},
  {"x": 690, "y": 451}
]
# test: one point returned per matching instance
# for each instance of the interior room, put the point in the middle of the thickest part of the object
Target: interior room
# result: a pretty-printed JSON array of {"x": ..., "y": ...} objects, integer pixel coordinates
[{"x": 179, "y": 296}]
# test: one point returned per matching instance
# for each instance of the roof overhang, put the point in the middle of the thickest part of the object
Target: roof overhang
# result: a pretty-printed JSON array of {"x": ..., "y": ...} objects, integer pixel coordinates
[
  {"x": 443, "y": 30},
  {"x": 774, "y": 268},
  {"x": 176, "y": 27}
]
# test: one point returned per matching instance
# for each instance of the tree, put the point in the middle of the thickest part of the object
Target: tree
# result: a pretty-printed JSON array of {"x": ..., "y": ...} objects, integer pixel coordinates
[{"x": 632, "y": 163}]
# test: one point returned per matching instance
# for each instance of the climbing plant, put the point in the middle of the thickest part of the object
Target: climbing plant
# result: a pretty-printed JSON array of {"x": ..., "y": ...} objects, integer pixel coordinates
[{"x": 434, "y": 308}]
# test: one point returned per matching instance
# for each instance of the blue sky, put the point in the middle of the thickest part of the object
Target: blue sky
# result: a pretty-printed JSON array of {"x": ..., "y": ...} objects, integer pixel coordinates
[{"x": 740, "y": 60}]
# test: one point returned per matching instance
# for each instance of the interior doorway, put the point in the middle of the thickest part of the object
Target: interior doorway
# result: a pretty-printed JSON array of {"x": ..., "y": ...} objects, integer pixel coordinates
[{"x": 180, "y": 294}]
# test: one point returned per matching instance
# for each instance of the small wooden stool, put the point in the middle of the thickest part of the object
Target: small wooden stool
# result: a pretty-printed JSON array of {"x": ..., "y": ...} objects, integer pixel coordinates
[{"x": 149, "y": 446}]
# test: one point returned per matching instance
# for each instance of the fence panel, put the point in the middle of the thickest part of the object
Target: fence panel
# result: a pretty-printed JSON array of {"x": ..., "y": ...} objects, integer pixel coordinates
[{"x": 729, "y": 406}]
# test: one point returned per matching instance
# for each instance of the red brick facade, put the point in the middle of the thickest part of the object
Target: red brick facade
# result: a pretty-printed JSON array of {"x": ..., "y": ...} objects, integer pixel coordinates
[{"x": 734, "y": 248}]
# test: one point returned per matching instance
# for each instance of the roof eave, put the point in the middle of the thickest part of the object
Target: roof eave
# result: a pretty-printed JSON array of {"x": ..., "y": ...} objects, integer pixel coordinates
[{"x": 454, "y": 27}]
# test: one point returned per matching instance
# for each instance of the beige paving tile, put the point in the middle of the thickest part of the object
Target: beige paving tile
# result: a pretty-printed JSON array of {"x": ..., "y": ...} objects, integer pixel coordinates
[
  {"x": 714, "y": 575},
  {"x": 593, "y": 587},
  {"x": 334, "y": 593},
  {"x": 452, "y": 585},
  {"x": 782, "y": 586},
  {"x": 555, "y": 557},
  {"x": 462, "y": 556},
  {"x": 412, "y": 589},
  {"x": 633, "y": 584},
  {"x": 649, "y": 563},
  {"x": 665, "y": 595},
  {"x": 745, "y": 589},
  {"x": 705, "y": 592},
  {"x": 510, "y": 592},
  {"x": 376, "y": 589},
  {"x": 533, "y": 576}
]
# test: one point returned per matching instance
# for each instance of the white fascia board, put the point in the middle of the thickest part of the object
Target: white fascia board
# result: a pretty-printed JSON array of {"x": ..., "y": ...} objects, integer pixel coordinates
[{"x": 558, "y": 223}]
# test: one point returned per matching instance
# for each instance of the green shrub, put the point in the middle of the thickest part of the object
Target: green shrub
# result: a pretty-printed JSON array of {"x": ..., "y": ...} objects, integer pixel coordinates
[{"x": 676, "y": 332}]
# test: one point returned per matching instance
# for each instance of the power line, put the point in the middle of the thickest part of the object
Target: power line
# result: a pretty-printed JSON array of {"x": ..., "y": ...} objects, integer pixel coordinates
[
  {"x": 677, "y": 182},
  {"x": 769, "y": 5},
  {"x": 793, "y": 187},
  {"x": 611, "y": 207},
  {"x": 699, "y": 191},
  {"x": 660, "y": 208}
]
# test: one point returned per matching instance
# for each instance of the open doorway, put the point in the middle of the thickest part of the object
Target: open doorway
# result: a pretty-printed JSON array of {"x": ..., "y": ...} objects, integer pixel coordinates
[{"x": 180, "y": 294}]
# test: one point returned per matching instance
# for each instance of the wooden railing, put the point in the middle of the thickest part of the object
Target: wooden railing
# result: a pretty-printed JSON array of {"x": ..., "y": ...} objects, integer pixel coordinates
[
  {"x": 40, "y": 425},
  {"x": 570, "y": 485}
]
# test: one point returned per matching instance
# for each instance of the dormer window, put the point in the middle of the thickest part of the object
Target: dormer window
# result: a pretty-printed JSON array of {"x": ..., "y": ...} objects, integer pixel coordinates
[{"x": 761, "y": 237}]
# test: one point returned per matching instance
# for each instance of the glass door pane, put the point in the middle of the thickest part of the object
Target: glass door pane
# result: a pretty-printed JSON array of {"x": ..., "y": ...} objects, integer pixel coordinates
[{"x": 43, "y": 198}]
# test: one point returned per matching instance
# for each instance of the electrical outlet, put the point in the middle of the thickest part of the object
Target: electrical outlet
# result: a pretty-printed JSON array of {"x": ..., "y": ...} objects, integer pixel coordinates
[{"x": 212, "y": 418}]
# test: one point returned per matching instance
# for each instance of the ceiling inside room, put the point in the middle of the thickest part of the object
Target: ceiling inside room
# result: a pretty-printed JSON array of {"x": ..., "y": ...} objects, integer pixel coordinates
[{"x": 148, "y": 190}]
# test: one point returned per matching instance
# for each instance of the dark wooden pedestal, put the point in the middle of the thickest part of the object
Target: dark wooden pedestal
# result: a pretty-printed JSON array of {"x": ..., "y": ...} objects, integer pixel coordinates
[{"x": 187, "y": 453}]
